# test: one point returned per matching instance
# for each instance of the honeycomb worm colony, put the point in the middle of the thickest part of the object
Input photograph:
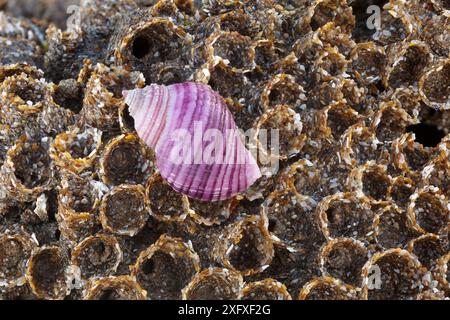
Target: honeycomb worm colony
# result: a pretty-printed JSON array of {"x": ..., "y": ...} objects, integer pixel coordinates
[{"x": 345, "y": 186}]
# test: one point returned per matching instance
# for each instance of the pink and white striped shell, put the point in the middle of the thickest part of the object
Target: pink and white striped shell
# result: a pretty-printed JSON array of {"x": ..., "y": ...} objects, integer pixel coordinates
[{"x": 196, "y": 141}]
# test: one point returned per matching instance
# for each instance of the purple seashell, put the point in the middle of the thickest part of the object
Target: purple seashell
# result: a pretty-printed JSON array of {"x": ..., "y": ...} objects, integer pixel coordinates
[{"x": 196, "y": 141}]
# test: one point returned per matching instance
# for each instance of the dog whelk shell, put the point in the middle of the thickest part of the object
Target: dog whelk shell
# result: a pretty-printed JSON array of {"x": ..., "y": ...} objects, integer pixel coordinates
[{"x": 196, "y": 141}]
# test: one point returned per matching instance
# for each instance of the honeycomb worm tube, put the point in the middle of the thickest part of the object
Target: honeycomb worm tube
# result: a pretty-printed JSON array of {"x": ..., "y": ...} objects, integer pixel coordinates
[
  {"x": 334, "y": 35},
  {"x": 393, "y": 227},
  {"x": 263, "y": 186},
  {"x": 336, "y": 118},
  {"x": 97, "y": 256},
  {"x": 149, "y": 44},
  {"x": 103, "y": 97},
  {"x": 69, "y": 94},
  {"x": 370, "y": 179},
  {"x": 78, "y": 202},
  {"x": 169, "y": 118},
  {"x": 407, "y": 65},
  {"x": 214, "y": 284},
  {"x": 437, "y": 172},
  {"x": 28, "y": 170},
  {"x": 368, "y": 62},
  {"x": 289, "y": 126},
  {"x": 265, "y": 56},
  {"x": 76, "y": 150},
  {"x": 394, "y": 274},
  {"x": 327, "y": 288},
  {"x": 124, "y": 211},
  {"x": 428, "y": 210},
  {"x": 396, "y": 26},
  {"x": 410, "y": 101},
  {"x": 441, "y": 7},
  {"x": 304, "y": 176},
  {"x": 267, "y": 289},
  {"x": 390, "y": 121},
  {"x": 400, "y": 190},
  {"x": 410, "y": 156},
  {"x": 223, "y": 79},
  {"x": 342, "y": 214},
  {"x": 427, "y": 248},
  {"x": 15, "y": 250},
  {"x": 307, "y": 49},
  {"x": 343, "y": 259},
  {"x": 323, "y": 11},
  {"x": 28, "y": 107},
  {"x": 22, "y": 99},
  {"x": 246, "y": 246},
  {"x": 126, "y": 160},
  {"x": 75, "y": 227},
  {"x": 165, "y": 268},
  {"x": 115, "y": 288},
  {"x": 234, "y": 47},
  {"x": 282, "y": 89},
  {"x": 433, "y": 86},
  {"x": 359, "y": 145},
  {"x": 291, "y": 219},
  {"x": 85, "y": 73},
  {"x": 435, "y": 32},
  {"x": 209, "y": 213},
  {"x": 240, "y": 21},
  {"x": 10, "y": 70},
  {"x": 442, "y": 272},
  {"x": 165, "y": 203},
  {"x": 46, "y": 273},
  {"x": 329, "y": 64},
  {"x": 289, "y": 65}
]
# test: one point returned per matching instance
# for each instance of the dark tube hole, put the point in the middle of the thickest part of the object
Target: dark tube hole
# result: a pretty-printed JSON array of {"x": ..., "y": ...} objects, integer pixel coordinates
[
  {"x": 57, "y": 234},
  {"x": 148, "y": 267},
  {"x": 128, "y": 119},
  {"x": 108, "y": 294},
  {"x": 141, "y": 47},
  {"x": 427, "y": 135},
  {"x": 272, "y": 225}
]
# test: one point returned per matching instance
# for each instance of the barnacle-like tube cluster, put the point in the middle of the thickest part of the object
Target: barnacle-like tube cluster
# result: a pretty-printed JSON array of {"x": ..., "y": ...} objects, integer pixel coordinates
[{"x": 357, "y": 206}]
